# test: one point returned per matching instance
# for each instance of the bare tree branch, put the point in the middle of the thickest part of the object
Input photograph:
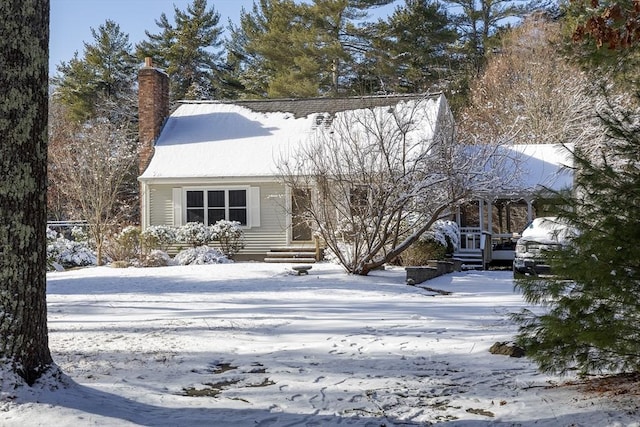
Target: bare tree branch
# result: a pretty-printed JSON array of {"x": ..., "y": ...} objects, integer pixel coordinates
[{"x": 381, "y": 177}]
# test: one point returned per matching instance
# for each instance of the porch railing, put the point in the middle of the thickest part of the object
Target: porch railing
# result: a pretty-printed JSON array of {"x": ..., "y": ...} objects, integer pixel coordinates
[
  {"x": 476, "y": 240},
  {"x": 470, "y": 238}
]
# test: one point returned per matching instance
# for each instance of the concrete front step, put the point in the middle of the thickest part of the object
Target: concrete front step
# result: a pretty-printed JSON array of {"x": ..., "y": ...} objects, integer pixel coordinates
[
  {"x": 293, "y": 249},
  {"x": 470, "y": 260},
  {"x": 291, "y": 255},
  {"x": 291, "y": 260}
]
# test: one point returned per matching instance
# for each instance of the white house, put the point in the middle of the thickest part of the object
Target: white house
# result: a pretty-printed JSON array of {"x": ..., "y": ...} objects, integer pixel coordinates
[{"x": 218, "y": 160}]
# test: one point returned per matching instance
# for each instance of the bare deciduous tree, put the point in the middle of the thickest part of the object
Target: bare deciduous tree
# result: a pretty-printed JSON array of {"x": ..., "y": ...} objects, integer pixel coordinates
[
  {"x": 379, "y": 178},
  {"x": 91, "y": 169},
  {"x": 529, "y": 93}
]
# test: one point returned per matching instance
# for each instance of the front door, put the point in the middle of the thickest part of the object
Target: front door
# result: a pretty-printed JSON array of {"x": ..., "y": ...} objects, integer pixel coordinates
[{"x": 300, "y": 204}]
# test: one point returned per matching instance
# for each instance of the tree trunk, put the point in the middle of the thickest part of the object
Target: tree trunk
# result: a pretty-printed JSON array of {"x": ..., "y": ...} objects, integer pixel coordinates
[{"x": 24, "y": 54}]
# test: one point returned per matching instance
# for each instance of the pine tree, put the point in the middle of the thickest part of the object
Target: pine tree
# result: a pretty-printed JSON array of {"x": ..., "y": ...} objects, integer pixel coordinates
[
  {"x": 102, "y": 81},
  {"x": 111, "y": 58},
  {"x": 412, "y": 49},
  {"x": 275, "y": 44},
  {"x": 75, "y": 87},
  {"x": 479, "y": 21},
  {"x": 592, "y": 321},
  {"x": 189, "y": 51},
  {"x": 295, "y": 49}
]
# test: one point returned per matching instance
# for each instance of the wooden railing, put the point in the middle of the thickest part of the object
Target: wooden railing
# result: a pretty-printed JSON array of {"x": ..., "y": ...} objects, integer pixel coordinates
[
  {"x": 474, "y": 239},
  {"x": 470, "y": 238}
]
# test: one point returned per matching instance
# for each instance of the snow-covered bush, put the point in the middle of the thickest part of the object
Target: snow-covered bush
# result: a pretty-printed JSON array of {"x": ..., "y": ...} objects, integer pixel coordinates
[
  {"x": 229, "y": 235},
  {"x": 158, "y": 237},
  {"x": 68, "y": 253},
  {"x": 51, "y": 235},
  {"x": 125, "y": 246},
  {"x": 195, "y": 234},
  {"x": 435, "y": 244},
  {"x": 156, "y": 258},
  {"x": 446, "y": 232},
  {"x": 79, "y": 234},
  {"x": 201, "y": 255}
]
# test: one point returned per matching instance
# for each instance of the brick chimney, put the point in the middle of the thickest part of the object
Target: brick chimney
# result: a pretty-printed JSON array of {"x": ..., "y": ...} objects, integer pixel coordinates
[{"x": 153, "y": 109}]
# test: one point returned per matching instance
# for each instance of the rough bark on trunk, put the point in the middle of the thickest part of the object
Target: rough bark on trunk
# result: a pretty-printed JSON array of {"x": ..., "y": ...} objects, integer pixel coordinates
[{"x": 24, "y": 54}]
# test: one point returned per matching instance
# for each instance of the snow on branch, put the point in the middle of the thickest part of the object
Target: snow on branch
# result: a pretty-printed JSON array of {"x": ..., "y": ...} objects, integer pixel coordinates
[{"x": 382, "y": 176}]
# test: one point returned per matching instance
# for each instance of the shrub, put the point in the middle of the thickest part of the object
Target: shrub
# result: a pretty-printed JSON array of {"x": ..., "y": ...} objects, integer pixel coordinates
[
  {"x": 120, "y": 264},
  {"x": 125, "y": 246},
  {"x": 195, "y": 234},
  {"x": 67, "y": 253},
  {"x": 435, "y": 244},
  {"x": 422, "y": 251},
  {"x": 230, "y": 237},
  {"x": 79, "y": 234},
  {"x": 158, "y": 237},
  {"x": 155, "y": 258},
  {"x": 446, "y": 232},
  {"x": 200, "y": 255}
]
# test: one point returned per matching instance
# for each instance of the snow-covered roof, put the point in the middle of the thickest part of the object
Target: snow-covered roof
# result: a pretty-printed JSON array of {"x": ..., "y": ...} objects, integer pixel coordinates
[
  {"x": 246, "y": 140},
  {"x": 534, "y": 167},
  {"x": 222, "y": 139},
  {"x": 545, "y": 165}
]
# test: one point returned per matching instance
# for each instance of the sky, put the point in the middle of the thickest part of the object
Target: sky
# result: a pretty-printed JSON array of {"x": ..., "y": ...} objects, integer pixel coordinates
[{"x": 72, "y": 20}]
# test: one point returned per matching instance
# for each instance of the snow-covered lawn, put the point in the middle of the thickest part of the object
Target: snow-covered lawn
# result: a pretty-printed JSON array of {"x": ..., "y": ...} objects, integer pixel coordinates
[{"x": 250, "y": 344}]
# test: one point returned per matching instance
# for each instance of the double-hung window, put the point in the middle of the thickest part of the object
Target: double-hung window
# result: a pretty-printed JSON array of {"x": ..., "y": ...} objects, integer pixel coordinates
[{"x": 210, "y": 206}]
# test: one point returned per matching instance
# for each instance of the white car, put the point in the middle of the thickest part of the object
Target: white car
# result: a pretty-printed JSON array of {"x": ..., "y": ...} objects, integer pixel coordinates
[{"x": 541, "y": 235}]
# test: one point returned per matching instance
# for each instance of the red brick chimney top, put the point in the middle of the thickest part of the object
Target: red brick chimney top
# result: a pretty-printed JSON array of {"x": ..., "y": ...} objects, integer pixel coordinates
[{"x": 153, "y": 108}]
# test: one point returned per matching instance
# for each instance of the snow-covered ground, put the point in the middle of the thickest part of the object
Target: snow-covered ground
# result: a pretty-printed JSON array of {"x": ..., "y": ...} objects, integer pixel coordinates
[{"x": 250, "y": 344}]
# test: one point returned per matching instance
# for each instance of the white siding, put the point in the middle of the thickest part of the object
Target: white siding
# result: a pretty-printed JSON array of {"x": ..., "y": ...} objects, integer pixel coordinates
[
  {"x": 270, "y": 198},
  {"x": 272, "y": 230},
  {"x": 160, "y": 205}
]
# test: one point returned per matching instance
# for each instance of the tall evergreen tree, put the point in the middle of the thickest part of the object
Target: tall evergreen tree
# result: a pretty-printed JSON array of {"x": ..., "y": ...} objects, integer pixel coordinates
[
  {"x": 343, "y": 38},
  {"x": 479, "y": 20},
  {"x": 104, "y": 75},
  {"x": 111, "y": 58},
  {"x": 76, "y": 88},
  {"x": 592, "y": 321},
  {"x": 189, "y": 51},
  {"x": 412, "y": 49},
  {"x": 269, "y": 42},
  {"x": 289, "y": 48},
  {"x": 24, "y": 348}
]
